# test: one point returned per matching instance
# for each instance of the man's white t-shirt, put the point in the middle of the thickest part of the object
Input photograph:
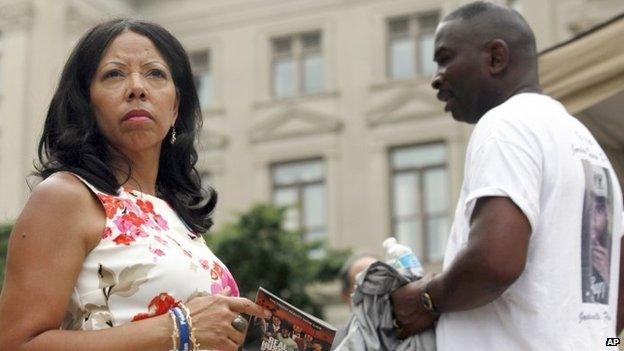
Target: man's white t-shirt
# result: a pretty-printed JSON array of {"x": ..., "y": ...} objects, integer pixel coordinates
[{"x": 532, "y": 151}]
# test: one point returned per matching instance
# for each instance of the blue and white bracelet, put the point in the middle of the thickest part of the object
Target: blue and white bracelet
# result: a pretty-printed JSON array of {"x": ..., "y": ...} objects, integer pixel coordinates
[{"x": 183, "y": 329}]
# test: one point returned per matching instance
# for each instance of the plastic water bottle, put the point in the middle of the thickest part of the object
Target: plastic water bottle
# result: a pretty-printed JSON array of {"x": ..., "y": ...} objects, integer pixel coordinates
[{"x": 402, "y": 257}]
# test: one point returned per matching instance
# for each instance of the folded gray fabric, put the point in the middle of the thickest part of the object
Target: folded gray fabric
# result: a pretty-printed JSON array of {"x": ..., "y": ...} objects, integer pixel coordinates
[{"x": 370, "y": 327}]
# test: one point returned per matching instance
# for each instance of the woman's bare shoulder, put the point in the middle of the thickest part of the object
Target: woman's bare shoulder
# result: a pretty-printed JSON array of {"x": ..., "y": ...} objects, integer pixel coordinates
[
  {"x": 61, "y": 189},
  {"x": 63, "y": 198}
]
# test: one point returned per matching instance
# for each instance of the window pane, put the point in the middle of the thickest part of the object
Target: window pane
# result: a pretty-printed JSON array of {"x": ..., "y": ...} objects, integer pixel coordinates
[
  {"x": 1, "y": 53},
  {"x": 204, "y": 86},
  {"x": 418, "y": 156},
  {"x": 290, "y": 173},
  {"x": 515, "y": 4},
  {"x": 437, "y": 231},
  {"x": 436, "y": 190},
  {"x": 408, "y": 233},
  {"x": 284, "y": 77},
  {"x": 401, "y": 58},
  {"x": 291, "y": 218},
  {"x": 311, "y": 41},
  {"x": 428, "y": 23},
  {"x": 285, "y": 196},
  {"x": 314, "y": 206},
  {"x": 399, "y": 27},
  {"x": 282, "y": 46},
  {"x": 314, "y": 235},
  {"x": 425, "y": 49},
  {"x": 200, "y": 59},
  {"x": 313, "y": 73},
  {"x": 305, "y": 179},
  {"x": 200, "y": 64},
  {"x": 206, "y": 179},
  {"x": 405, "y": 194},
  {"x": 288, "y": 197},
  {"x": 420, "y": 175}
]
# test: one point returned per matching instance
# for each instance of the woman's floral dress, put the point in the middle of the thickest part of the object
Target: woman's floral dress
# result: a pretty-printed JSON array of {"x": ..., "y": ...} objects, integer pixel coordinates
[{"x": 147, "y": 260}]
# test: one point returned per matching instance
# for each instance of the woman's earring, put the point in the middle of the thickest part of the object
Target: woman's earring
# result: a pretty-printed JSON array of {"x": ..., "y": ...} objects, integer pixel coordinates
[{"x": 173, "y": 135}]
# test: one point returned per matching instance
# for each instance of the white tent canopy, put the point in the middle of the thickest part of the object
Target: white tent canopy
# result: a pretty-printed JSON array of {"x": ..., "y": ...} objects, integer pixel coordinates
[{"x": 586, "y": 74}]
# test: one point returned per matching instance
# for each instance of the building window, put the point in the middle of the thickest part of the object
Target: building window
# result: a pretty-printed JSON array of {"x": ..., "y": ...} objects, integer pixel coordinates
[
  {"x": 420, "y": 198},
  {"x": 1, "y": 76},
  {"x": 410, "y": 46},
  {"x": 206, "y": 180},
  {"x": 515, "y": 4},
  {"x": 297, "y": 65},
  {"x": 202, "y": 75},
  {"x": 300, "y": 186}
]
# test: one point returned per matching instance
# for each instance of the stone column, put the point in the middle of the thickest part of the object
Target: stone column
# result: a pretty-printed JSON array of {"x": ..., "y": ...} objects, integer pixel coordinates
[{"x": 16, "y": 21}]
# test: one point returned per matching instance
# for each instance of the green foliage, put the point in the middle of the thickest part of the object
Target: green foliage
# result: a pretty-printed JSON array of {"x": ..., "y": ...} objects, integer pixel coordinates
[
  {"x": 260, "y": 252},
  {"x": 5, "y": 230},
  {"x": 329, "y": 267}
]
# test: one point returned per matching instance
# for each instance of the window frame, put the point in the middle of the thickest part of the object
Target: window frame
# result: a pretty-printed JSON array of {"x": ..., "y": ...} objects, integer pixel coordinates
[
  {"x": 300, "y": 188},
  {"x": 422, "y": 215},
  {"x": 2, "y": 76},
  {"x": 297, "y": 52},
  {"x": 415, "y": 31},
  {"x": 515, "y": 5},
  {"x": 199, "y": 71},
  {"x": 206, "y": 178}
]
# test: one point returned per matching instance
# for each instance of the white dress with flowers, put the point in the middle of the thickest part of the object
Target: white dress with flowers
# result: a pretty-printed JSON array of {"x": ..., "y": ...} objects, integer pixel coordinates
[{"x": 146, "y": 261}]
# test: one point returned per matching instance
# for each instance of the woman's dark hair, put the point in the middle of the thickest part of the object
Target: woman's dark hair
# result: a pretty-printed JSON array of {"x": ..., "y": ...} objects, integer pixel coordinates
[{"x": 71, "y": 140}]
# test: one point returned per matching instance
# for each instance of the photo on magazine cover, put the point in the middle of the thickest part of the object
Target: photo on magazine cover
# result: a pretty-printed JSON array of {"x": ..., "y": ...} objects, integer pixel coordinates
[
  {"x": 596, "y": 234},
  {"x": 288, "y": 328}
]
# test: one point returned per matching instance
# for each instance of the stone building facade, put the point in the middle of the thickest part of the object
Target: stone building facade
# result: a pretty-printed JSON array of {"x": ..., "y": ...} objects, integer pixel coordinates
[{"x": 324, "y": 105}]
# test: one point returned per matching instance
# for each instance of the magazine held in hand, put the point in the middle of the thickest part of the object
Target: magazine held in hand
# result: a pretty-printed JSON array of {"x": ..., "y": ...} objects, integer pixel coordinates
[{"x": 288, "y": 328}]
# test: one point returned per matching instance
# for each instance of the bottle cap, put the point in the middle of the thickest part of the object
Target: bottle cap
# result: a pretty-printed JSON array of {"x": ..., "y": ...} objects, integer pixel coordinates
[{"x": 388, "y": 243}]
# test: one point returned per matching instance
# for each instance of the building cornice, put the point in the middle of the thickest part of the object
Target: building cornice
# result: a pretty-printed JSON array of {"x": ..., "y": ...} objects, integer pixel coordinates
[
  {"x": 292, "y": 122},
  {"x": 231, "y": 15},
  {"x": 78, "y": 20},
  {"x": 402, "y": 102}
]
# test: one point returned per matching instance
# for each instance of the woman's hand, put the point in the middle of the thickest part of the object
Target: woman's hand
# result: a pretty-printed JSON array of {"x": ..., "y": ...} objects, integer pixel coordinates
[{"x": 212, "y": 318}]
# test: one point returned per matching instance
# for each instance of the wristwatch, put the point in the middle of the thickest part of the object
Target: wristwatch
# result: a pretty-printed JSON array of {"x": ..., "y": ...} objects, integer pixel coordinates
[{"x": 427, "y": 302}]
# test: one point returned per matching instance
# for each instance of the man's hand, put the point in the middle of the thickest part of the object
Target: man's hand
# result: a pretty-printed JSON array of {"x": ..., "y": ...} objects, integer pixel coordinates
[{"x": 410, "y": 315}]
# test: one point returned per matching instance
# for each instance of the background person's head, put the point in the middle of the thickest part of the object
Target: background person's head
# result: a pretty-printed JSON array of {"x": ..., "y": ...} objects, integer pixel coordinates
[
  {"x": 354, "y": 265},
  {"x": 599, "y": 221},
  {"x": 73, "y": 139},
  {"x": 276, "y": 320},
  {"x": 285, "y": 332},
  {"x": 296, "y": 329},
  {"x": 485, "y": 54}
]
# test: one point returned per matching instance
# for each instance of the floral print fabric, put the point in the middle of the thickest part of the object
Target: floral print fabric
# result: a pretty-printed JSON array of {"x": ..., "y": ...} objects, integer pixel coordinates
[{"x": 147, "y": 261}]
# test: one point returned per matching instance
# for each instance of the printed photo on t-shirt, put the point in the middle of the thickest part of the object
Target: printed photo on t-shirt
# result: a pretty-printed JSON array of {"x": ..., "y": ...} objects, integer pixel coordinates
[{"x": 597, "y": 227}]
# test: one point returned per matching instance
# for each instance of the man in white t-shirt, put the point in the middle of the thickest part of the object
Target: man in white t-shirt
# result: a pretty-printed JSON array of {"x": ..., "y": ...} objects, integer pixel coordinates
[{"x": 533, "y": 257}]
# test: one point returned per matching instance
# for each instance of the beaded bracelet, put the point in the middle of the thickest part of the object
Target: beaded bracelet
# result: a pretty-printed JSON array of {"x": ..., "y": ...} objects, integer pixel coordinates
[
  {"x": 175, "y": 334},
  {"x": 183, "y": 328},
  {"x": 186, "y": 311}
]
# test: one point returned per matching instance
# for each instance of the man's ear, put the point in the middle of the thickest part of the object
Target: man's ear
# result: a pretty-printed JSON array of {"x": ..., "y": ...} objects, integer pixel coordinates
[{"x": 498, "y": 53}]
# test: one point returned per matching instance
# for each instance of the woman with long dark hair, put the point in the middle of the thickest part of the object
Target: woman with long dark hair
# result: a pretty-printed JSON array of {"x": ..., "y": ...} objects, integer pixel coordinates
[{"x": 107, "y": 253}]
